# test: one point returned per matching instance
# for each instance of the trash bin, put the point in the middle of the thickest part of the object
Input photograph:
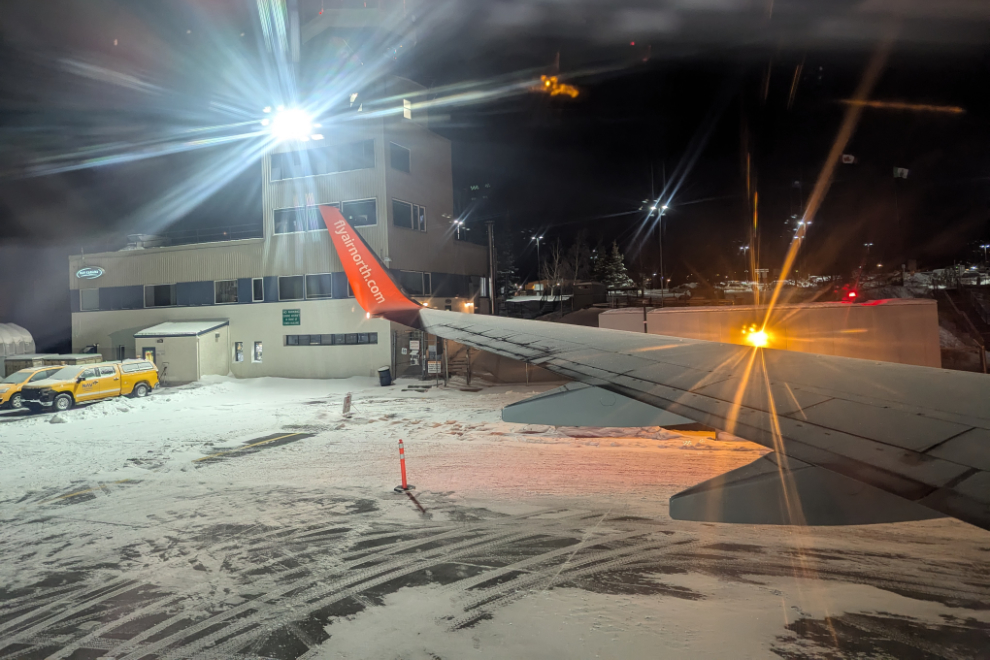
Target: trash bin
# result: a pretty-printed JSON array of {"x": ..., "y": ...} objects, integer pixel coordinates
[{"x": 385, "y": 376}]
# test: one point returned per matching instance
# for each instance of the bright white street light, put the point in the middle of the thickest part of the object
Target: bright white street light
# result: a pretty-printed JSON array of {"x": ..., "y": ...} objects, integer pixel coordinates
[
  {"x": 665, "y": 207},
  {"x": 291, "y": 124}
]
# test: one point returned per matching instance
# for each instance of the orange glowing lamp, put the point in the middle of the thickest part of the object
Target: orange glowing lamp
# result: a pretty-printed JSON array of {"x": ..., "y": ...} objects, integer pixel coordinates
[
  {"x": 755, "y": 336},
  {"x": 554, "y": 87}
]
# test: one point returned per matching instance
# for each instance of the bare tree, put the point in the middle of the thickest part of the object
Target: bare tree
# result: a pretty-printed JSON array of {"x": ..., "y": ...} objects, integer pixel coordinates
[
  {"x": 552, "y": 270},
  {"x": 578, "y": 266}
]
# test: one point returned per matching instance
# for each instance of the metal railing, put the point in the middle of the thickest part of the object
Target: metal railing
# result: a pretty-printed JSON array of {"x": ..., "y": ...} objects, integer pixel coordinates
[
  {"x": 213, "y": 234},
  {"x": 181, "y": 237}
]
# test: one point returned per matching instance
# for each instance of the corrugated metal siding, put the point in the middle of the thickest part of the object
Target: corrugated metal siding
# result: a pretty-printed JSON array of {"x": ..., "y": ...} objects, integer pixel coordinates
[{"x": 209, "y": 261}]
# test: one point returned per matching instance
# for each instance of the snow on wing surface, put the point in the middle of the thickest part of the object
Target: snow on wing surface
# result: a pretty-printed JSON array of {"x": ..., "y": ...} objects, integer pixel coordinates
[{"x": 919, "y": 433}]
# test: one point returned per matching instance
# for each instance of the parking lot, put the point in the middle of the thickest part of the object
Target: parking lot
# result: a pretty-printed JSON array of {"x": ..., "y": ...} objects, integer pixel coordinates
[{"x": 252, "y": 519}]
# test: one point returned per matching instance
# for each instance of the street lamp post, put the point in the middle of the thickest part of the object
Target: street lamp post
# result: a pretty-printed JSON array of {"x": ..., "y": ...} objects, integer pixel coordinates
[
  {"x": 660, "y": 225},
  {"x": 744, "y": 249},
  {"x": 537, "y": 239},
  {"x": 985, "y": 246}
]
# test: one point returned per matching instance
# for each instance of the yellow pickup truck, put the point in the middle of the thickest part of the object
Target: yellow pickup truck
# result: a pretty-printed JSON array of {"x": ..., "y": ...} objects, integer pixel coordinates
[
  {"x": 90, "y": 382},
  {"x": 10, "y": 387}
]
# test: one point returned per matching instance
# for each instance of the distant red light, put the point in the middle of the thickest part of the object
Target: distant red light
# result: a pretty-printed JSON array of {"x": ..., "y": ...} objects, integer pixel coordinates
[
  {"x": 852, "y": 294},
  {"x": 632, "y": 43}
]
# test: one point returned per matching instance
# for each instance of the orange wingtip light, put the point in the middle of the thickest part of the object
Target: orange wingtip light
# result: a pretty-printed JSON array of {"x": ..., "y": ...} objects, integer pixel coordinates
[{"x": 373, "y": 288}]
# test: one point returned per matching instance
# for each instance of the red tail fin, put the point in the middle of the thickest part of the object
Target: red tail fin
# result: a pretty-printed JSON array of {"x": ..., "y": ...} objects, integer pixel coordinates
[{"x": 373, "y": 287}]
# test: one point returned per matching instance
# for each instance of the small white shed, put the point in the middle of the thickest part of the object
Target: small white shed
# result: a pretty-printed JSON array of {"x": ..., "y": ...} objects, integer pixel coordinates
[{"x": 185, "y": 351}]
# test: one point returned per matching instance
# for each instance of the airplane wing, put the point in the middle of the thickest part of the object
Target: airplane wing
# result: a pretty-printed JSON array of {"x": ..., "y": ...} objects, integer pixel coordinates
[{"x": 854, "y": 441}]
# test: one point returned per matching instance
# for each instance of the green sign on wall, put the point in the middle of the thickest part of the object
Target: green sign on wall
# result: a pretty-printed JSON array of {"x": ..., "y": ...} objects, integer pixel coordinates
[{"x": 290, "y": 317}]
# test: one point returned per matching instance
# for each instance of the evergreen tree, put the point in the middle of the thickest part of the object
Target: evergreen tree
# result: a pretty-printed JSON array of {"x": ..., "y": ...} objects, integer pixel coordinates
[{"x": 610, "y": 269}]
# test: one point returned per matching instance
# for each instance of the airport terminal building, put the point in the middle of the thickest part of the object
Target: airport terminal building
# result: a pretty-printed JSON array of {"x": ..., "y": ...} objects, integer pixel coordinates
[{"x": 280, "y": 295}]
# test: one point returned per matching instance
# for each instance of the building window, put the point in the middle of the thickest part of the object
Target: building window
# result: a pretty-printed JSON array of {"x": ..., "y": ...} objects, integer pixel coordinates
[
  {"x": 258, "y": 290},
  {"x": 256, "y": 356},
  {"x": 361, "y": 213},
  {"x": 318, "y": 286},
  {"x": 399, "y": 157},
  {"x": 407, "y": 108},
  {"x": 302, "y": 218},
  {"x": 291, "y": 288},
  {"x": 349, "y": 339},
  {"x": 414, "y": 283},
  {"x": 159, "y": 295},
  {"x": 89, "y": 300},
  {"x": 238, "y": 351},
  {"x": 327, "y": 160},
  {"x": 410, "y": 216},
  {"x": 225, "y": 291}
]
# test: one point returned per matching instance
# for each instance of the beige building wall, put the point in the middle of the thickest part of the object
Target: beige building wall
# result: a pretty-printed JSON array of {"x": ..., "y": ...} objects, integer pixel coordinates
[
  {"x": 436, "y": 249},
  {"x": 215, "y": 352},
  {"x": 181, "y": 354},
  {"x": 898, "y": 330},
  {"x": 248, "y": 324}
]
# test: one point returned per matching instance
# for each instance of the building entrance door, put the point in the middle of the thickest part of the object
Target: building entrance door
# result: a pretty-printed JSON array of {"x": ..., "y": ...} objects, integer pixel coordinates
[{"x": 410, "y": 346}]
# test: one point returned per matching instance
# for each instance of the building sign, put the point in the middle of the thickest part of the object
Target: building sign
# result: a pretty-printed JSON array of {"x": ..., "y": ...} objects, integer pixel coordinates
[
  {"x": 89, "y": 273},
  {"x": 290, "y": 317},
  {"x": 433, "y": 366}
]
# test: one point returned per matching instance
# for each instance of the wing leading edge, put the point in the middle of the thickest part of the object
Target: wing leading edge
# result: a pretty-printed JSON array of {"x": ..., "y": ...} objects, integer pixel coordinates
[{"x": 920, "y": 434}]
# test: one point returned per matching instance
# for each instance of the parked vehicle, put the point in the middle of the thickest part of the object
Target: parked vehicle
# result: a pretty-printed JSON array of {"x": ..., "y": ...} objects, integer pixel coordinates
[
  {"x": 10, "y": 387},
  {"x": 82, "y": 383}
]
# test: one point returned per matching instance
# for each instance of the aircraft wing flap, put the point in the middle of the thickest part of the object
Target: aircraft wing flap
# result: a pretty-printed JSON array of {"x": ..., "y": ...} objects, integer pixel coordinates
[
  {"x": 705, "y": 356},
  {"x": 922, "y": 472},
  {"x": 683, "y": 378},
  {"x": 616, "y": 363},
  {"x": 915, "y": 432},
  {"x": 969, "y": 448},
  {"x": 976, "y": 487},
  {"x": 781, "y": 397},
  {"x": 954, "y": 395}
]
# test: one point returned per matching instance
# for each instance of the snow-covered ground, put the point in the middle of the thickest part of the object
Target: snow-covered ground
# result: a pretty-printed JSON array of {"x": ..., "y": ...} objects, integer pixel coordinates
[{"x": 250, "y": 519}]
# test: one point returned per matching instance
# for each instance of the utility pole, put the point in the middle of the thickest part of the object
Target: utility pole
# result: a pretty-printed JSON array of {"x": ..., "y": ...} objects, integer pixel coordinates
[
  {"x": 662, "y": 276},
  {"x": 492, "y": 290},
  {"x": 537, "y": 239}
]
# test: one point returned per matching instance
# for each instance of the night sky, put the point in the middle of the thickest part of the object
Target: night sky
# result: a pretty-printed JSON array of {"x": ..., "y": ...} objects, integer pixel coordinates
[{"x": 684, "y": 89}]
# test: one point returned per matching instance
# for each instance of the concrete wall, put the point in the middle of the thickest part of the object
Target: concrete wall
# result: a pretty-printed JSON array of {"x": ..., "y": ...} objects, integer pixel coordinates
[
  {"x": 903, "y": 331},
  {"x": 251, "y": 323}
]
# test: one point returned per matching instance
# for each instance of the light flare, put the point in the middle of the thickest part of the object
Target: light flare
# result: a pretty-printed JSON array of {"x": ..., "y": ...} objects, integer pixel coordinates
[
  {"x": 758, "y": 338},
  {"x": 846, "y": 129},
  {"x": 900, "y": 105}
]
